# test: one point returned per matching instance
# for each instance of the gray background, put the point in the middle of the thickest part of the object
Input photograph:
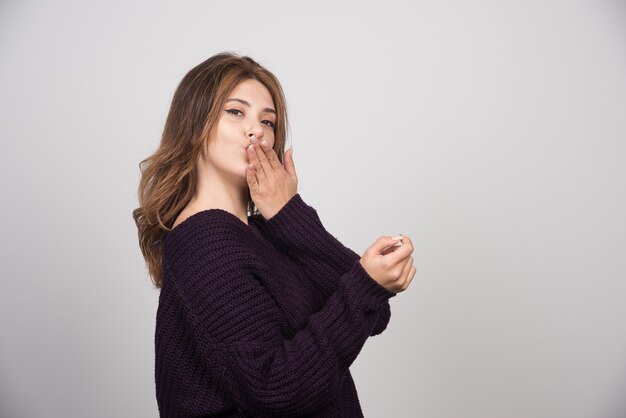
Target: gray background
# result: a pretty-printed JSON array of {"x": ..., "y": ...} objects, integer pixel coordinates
[{"x": 491, "y": 132}]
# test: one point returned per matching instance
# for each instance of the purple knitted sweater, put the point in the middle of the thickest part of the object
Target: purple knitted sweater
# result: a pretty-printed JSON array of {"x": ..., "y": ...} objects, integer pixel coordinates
[{"x": 262, "y": 320}]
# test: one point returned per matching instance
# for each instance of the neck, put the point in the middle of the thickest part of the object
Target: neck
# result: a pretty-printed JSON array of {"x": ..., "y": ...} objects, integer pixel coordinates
[{"x": 216, "y": 191}]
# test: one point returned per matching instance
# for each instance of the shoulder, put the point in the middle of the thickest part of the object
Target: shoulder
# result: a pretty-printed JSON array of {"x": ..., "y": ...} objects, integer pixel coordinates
[{"x": 209, "y": 239}]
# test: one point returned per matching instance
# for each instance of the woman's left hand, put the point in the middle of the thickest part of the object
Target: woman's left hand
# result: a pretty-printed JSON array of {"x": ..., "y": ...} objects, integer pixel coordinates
[{"x": 271, "y": 185}]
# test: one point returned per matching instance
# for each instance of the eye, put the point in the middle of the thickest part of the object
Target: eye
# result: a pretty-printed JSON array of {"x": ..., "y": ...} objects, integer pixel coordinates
[{"x": 233, "y": 112}]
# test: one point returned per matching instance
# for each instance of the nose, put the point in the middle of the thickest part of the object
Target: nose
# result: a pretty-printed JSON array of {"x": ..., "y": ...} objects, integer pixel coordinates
[
  {"x": 258, "y": 133},
  {"x": 255, "y": 129}
]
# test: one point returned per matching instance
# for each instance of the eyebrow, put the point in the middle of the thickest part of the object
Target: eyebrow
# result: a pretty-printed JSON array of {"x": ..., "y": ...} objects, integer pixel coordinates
[{"x": 267, "y": 109}]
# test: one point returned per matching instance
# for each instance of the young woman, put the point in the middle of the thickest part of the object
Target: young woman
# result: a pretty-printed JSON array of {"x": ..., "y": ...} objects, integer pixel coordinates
[{"x": 261, "y": 310}]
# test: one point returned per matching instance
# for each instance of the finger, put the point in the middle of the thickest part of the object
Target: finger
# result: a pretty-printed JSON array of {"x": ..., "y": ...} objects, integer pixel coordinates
[
  {"x": 409, "y": 277},
  {"x": 407, "y": 243},
  {"x": 384, "y": 242},
  {"x": 390, "y": 249},
  {"x": 264, "y": 165},
  {"x": 399, "y": 255},
  {"x": 406, "y": 240},
  {"x": 271, "y": 156},
  {"x": 405, "y": 272},
  {"x": 387, "y": 245},
  {"x": 251, "y": 179},
  {"x": 290, "y": 167},
  {"x": 253, "y": 156}
]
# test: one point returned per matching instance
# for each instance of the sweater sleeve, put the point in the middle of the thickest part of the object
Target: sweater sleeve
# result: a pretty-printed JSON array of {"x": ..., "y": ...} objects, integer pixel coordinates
[
  {"x": 297, "y": 230},
  {"x": 235, "y": 327}
]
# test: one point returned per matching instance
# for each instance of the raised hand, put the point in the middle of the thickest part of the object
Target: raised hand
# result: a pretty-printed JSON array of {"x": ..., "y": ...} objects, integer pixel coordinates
[{"x": 271, "y": 185}]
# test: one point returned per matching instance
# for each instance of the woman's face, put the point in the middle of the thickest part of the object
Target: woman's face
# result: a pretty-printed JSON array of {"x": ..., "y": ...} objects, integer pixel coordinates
[{"x": 249, "y": 109}]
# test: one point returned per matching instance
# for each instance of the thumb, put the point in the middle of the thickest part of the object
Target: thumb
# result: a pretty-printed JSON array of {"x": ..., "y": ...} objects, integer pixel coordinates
[{"x": 387, "y": 241}]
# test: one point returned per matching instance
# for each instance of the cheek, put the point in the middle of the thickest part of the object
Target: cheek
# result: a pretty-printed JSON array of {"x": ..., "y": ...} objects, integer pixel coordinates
[{"x": 271, "y": 139}]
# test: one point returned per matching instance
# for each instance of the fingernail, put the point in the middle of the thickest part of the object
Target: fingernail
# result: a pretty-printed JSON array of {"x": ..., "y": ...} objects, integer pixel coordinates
[
  {"x": 264, "y": 142},
  {"x": 253, "y": 139}
]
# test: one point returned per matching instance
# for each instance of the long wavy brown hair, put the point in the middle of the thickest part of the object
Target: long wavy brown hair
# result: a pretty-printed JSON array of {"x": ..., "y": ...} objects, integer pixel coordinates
[{"x": 169, "y": 176}]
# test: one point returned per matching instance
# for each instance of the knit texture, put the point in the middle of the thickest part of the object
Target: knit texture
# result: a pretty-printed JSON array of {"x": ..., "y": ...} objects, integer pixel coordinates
[{"x": 262, "y": 320}]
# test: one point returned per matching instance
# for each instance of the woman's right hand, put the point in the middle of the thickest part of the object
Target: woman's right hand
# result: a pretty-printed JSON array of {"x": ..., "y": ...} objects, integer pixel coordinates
[{"x": 394, "y": 270}]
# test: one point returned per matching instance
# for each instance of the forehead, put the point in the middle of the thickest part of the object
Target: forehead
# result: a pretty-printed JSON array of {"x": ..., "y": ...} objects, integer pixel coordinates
[{"x": 253, "y": 91}]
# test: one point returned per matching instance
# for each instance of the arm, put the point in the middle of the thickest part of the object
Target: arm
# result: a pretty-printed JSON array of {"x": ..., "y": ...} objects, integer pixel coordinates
[
  {"x": 234, "y": 326},
  {"x": 298, "y": 231}
]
